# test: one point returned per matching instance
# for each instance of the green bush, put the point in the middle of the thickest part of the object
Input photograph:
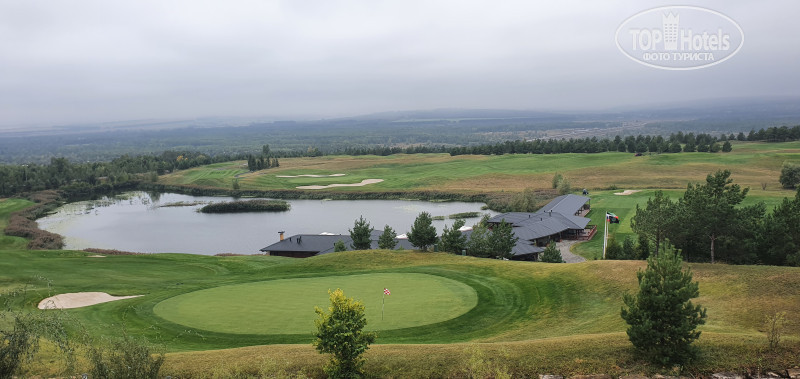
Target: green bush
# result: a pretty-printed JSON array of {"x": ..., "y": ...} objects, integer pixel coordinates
[
  {"x": 340, "y": 332},
  {"x": 790, "y": 175},
  {"x": 20, "y": 332},
  {"x": 246, "y": 206},
  {"x": 125, "y": 358},
  {"x": 551, "y": 254}
]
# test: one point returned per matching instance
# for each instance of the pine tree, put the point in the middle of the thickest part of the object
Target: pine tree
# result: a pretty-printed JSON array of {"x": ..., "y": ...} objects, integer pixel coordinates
[
  {"x": 387, "y": 239},
  {"x": 452, "y": 240},
  {"x": 656, "y": 219},
  {"x": 361, "y": 234},
  {"x": 423, "y": 233},
  {"x": 613, "y": 249},
  {"x": 502, "y": 240},
  {"x": 478, "y": 242},
  {"x": 661, "y": 316},
  {"x": 628, "y": 249},
  {"x": 551, "y": 254}
]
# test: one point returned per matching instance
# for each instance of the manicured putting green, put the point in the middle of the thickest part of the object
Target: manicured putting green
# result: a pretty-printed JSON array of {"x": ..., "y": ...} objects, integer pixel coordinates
[{"x": 286, "y": 306}]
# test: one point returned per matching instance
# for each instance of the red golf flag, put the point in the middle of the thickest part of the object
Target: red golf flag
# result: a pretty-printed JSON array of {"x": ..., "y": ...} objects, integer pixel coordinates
[{"x": 386, "y": 291}]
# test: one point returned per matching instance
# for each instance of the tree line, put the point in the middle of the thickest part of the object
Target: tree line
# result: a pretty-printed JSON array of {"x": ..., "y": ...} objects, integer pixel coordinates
[
  {"x": 675, "y": 143},
  {"x": 83, "y": 178},
  {"x": 707, "y": 224},
  {"x": 266, "y": 160},
  {"x": 484, "y": 241}
]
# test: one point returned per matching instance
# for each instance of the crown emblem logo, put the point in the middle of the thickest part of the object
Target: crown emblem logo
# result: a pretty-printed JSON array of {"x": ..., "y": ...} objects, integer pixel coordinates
[{"x": 670, "y": 30}]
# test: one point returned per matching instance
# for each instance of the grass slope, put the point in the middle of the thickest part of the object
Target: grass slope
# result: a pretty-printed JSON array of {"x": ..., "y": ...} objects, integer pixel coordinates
[{"x": 525, "y": 318}]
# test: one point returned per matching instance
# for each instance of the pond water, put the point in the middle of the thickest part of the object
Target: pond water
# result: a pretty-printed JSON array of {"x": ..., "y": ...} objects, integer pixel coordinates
[{"x": 144, "y": 222}]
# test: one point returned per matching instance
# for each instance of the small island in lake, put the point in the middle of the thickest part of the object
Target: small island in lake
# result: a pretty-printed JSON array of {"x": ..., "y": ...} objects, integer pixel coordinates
[{"x": 259, "y": 205}]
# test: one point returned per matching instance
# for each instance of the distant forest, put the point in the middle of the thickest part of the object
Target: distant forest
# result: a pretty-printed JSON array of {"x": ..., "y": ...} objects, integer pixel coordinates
[
  {"x": 406, "y": 132},
  {"x": 85, "y": 179}
]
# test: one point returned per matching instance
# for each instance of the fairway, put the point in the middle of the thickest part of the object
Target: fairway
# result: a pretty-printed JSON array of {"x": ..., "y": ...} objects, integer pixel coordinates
[
  {"x": 287, "y": 306},
  {"x": 753, "y": 164}
]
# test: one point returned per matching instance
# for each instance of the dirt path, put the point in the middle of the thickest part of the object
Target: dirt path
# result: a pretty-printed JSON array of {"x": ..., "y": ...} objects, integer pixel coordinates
[{"x": 566, "y": 255}]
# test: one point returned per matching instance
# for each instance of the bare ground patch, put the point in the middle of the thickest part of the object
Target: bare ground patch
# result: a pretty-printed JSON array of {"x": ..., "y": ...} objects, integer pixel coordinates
[
  {"x": 627, "y": 192},
  {"x": 79, "y": 300},
  {"x": 363, "y": 183},
  {"x": 308, "y": 176}
]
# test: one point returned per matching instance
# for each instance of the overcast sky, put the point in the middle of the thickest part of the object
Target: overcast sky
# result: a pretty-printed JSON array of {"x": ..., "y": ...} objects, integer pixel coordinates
[{"x": 81, "y": 61}]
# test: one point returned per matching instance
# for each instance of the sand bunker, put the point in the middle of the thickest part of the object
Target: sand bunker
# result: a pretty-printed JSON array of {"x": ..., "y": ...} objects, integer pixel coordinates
[
  {"x": 363, "y": 183},
  {"x": 78, "y": 300},
  {"x": 308, "y": 176},
  {"x": 627, "y": 192}
]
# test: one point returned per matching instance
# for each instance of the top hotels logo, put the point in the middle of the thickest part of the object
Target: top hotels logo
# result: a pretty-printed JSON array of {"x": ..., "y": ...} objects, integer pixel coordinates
[{"x": 679, "y": 38}]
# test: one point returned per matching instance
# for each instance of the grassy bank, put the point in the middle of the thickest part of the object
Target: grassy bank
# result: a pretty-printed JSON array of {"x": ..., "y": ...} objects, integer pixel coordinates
[
  {"x": 569, "y": 313},
  {"x": 529, "y": 317}
]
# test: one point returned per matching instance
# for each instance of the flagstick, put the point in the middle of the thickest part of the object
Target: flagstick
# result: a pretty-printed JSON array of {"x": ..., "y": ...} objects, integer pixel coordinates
[
  {"x": 605, "y": 234},
  {"x": 383, "y": 304}
]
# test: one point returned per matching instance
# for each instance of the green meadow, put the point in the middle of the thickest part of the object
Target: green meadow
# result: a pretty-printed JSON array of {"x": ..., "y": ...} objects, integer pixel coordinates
[
  {"x": 752, "y": 165},
  {"x": 447, "y": 315}
]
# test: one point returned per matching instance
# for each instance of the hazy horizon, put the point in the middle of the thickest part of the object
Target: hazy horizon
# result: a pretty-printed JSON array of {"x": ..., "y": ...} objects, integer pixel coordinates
[{"x": 93, "y": 61}]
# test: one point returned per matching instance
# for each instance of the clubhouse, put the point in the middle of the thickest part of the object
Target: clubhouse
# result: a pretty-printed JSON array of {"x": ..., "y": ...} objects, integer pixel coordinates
[{"x": 562, "y": 218}]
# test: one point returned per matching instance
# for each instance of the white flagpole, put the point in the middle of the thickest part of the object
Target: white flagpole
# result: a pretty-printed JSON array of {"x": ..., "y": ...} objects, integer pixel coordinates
[
  {"x": 605, "y": 234},
  {"x": 383, "y": 303}
]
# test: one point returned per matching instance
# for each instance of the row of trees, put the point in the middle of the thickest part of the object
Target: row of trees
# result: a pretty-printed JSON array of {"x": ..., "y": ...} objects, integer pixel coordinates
[
  {"x": 263, "y": 161},
  {"x": 772, "y": 134},
  {"x": 708, "y": 223},
  {"x": 60, "y": 172},
  {"x": 486, "y": 242},
  {"x": 630, "y": 144}
]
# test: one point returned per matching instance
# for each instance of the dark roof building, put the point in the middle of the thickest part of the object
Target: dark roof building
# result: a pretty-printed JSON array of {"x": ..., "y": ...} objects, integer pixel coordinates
[
  {"x": 307, "y": 245},
  {"x": 559, "y": 219}
]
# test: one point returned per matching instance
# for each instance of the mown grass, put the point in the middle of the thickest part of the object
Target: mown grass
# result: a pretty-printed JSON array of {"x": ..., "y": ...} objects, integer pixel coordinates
[
  {"x": 624, "y": 206},
  {"x": 8, "y": 206},
  {"x": 529, "y": 318},
  {"x": 752, "y": 164},
  {"x": 283, "y": 306}
]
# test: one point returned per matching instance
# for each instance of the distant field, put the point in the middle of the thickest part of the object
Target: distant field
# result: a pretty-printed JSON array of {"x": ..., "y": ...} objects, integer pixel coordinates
[{"x": 752, "y": 164}]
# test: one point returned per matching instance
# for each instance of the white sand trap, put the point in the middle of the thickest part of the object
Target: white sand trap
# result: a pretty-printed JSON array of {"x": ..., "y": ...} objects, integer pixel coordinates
[
  {"x": 78, "y": 300},
  {"x": 363, "y": 183},
  {"x": 309, "y": 176},
  {"x": 95, "y": 256},
  {"x": 626, "y": 192}
]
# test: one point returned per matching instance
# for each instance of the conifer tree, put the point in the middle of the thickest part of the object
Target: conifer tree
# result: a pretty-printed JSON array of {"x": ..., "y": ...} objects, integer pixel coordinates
[
  {"x": 387, "y": 239},
  {"x": 361, "y": 234},
  {"x": 661, "y": 316},
  {"x": 423, "y": 233}
]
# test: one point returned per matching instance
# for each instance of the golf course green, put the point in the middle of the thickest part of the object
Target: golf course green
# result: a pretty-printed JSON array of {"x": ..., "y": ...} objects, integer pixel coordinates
[
  {"x": 447, "y": 315},
  {"x": 285, "y": 306}
]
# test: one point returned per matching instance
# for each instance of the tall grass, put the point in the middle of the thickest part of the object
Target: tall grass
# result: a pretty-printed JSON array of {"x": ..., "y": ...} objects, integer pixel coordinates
[{"x": 238, "y": 206}]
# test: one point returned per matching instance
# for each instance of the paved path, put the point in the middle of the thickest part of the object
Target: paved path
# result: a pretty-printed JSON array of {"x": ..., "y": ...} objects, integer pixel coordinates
[{"x": 566, "y": 255}]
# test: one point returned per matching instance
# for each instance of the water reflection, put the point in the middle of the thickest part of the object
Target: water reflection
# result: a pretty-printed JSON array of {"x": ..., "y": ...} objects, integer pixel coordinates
[{"x": 170, "y": 223}]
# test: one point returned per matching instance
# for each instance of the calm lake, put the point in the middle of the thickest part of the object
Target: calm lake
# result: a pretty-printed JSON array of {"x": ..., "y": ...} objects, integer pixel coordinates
[{"x": 145, "y": 222}]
